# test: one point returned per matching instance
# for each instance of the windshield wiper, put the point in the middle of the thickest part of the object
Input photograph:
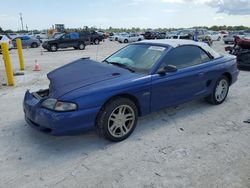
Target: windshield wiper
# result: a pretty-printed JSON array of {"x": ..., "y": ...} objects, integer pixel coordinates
[{"x": 120, "y": 65}]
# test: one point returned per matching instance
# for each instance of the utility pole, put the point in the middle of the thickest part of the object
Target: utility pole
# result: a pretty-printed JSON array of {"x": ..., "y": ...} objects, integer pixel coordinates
[{"x": 21, "y": 18}]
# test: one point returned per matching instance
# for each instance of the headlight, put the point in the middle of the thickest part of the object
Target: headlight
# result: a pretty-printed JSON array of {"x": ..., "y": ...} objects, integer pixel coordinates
[{"x": 60, "y": 106}]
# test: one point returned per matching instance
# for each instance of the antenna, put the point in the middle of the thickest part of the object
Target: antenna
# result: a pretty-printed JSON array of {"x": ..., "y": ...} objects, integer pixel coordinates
[{"x": 21, "y": 19}]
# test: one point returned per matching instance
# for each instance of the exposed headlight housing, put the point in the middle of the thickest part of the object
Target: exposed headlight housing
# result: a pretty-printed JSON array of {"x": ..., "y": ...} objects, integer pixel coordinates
[{"x": 53, "y": 104}]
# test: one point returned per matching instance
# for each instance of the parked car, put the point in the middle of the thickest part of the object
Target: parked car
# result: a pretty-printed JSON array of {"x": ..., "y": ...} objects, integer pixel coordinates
[
  {"x": 132, "y": 37},
  {"x": 160, "y": 35},
  {"x": 230, "y": 37},
  {"x": 42, "y": 35},
  {"x": 95, "y": 37},
  {"x": 183, "y": 34},
  {"x": 139, "y": 79},
  {"x": 215, "y": 36},
  {"x": 12, "y": 35},
  {"x": 66, "y": 40},
  {"x": 150, "y": 35},
  {"x": 241, "y": 50},
  {"x": 114, "y": 37},
  {"x": 27, "y": 41},
  {"x": 5, "y": 39},
  {"x": 170, "y": 34},
  {"x": 189, "y": 34}
]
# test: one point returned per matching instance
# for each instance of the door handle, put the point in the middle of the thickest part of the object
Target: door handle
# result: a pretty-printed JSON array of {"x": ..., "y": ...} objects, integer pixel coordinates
[{"x": 201, "y": 74}]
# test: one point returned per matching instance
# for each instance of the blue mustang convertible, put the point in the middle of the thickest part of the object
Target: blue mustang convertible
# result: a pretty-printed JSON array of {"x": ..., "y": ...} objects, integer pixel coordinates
[{"x": 140, "y": 78}]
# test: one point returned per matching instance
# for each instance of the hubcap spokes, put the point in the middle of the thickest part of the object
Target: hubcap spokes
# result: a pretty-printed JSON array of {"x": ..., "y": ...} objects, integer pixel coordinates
[
  {"x": 121, "y": 121},
  {"x": 221, "y": 90}
]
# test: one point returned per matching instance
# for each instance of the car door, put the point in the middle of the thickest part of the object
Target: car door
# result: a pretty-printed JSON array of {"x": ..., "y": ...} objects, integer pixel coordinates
[
  {"x": 65, "y": 41},
  {"x": 187, "y": 83},
  {"x": 25, "y": 41}
]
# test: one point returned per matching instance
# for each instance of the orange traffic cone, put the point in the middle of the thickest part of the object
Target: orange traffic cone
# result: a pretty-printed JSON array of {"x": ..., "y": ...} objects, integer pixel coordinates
[{"x": 37, "y": 66}]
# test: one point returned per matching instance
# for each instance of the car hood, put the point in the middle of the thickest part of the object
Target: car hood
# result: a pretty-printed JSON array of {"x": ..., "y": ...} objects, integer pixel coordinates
[{"x": 81, "y": 73}]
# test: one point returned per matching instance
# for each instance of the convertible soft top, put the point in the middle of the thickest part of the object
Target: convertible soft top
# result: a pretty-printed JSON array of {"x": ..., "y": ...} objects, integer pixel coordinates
[{"x": 180, "y": 42}]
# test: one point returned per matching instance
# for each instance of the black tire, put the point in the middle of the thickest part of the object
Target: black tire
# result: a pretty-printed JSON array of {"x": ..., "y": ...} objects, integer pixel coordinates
[
  {"x": 212, "y": 99},
  {"x": 81, "y": 46},
  {"x": 53, "y": 48},
  {"x": 139, "y": 39},
  {"x": 116, "y": 39},
  {"x": 102, "y": 122},
  {"x": 126, "y": 41},
  {"x": 34, "y": 45},
  {"x": 96, "y": 41}
]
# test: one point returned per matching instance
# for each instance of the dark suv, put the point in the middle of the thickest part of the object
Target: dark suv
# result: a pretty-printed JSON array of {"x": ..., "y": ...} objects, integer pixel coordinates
[
  {"x": 95, "y": 37},
  {"x": 150, "y": 35},
  {"x": 76, "y": 40}
]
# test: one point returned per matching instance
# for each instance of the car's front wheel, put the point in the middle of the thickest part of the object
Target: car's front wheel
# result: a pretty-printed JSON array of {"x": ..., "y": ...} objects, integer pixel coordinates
[
  {"x": 53, "y": 48},
  {"x": 81, "y": 46},
  {"x": 97, "y": 41},
  {"x": 34, "y": 45},
  {"x": 117, "y": 119},
  {"x": 220, "y": 91}
]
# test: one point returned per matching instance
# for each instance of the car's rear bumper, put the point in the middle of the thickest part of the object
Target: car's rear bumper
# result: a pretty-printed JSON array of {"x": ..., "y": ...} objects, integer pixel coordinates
[{"x": 57, "y": 123}]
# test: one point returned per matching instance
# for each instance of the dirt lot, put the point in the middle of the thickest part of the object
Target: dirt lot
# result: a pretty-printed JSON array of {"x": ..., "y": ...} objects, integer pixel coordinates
[{"x": 192, "y": 145}]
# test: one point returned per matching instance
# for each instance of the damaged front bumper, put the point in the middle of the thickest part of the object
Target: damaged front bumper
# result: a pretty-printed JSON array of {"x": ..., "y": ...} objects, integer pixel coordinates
[{"x": 56, "y": 123}]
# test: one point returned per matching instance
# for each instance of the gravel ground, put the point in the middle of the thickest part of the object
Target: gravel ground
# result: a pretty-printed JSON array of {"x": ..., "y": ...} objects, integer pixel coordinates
[{"x": 192, "y": 145}]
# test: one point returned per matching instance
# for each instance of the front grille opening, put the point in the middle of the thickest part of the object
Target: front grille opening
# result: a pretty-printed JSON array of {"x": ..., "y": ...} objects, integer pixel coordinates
[
  {"x": 41, "y": 94},
  {"x": 47, "y": 130}
]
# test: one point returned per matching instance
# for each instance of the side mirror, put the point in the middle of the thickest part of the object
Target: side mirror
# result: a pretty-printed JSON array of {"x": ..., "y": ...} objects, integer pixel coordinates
[{"x": 166, "y": 69}]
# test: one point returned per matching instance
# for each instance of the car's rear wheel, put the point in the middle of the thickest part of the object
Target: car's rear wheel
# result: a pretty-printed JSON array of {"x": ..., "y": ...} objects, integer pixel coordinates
[
  {"x": 34, "y": 45},
  {"x": 81, "y": 46},
  {"x": 126, "y": 41},
  {"x": 53, "y": 48},
  {"x": 220, "y": 91},
  {"x": 97, "y": 41},
  {"x": 117, "y": 119},
  {"x": 139, "y": 39}
]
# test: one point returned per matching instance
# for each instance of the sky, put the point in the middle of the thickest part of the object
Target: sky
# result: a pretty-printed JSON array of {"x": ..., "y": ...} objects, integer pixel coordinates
[{"x": 42, "y": 14}]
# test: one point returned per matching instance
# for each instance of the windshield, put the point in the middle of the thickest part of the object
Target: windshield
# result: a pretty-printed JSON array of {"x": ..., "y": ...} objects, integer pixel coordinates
[
  {"x": 57, "y": 36},
  {"x": 137, "y": 56}
]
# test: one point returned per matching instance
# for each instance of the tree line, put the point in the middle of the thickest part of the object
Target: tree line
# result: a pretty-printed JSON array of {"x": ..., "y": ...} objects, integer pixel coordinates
[{"x": 137, "y": 29}]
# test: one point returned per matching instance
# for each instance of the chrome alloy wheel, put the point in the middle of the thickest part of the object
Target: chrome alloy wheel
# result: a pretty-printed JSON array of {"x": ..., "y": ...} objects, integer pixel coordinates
[
  {"x": 221, "y": 90},
  {"x": 121, "y": 121}
]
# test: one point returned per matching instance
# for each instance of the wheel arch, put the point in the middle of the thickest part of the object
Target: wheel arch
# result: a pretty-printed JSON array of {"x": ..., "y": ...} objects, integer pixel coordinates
[
  {"x": 229, "y": 76},
  {"x": 128, "y": 96}
]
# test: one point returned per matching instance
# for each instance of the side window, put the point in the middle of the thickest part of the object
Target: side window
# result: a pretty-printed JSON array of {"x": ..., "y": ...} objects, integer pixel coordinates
[
  {"x": 185, "y": 56},
  {"x": 204, "y": 56},
  {"x": 74, "y": 35},
  {"x": 66, "y": 36}
]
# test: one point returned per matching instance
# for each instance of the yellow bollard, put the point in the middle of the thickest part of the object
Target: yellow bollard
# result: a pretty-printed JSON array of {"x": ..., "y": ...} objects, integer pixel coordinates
[
  {"x": 20, "y": 53},
  {"x": 7, "y": 62}
]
